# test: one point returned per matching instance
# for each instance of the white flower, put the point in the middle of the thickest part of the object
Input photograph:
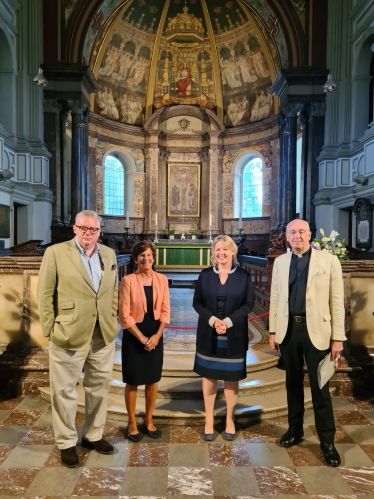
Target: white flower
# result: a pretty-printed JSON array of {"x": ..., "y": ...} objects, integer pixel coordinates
[
  {"x": 322, "y": 231},
  {"x": 333, "y": 235}
]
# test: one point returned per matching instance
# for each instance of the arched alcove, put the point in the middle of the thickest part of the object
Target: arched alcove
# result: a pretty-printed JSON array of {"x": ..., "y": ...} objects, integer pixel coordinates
[{"x": 7, "y": 84}]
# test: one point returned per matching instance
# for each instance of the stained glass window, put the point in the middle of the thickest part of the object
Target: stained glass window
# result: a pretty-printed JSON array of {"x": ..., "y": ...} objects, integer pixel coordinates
[
  {"x": 114, "y": 187},
  {"x": 252, "y": 188}
]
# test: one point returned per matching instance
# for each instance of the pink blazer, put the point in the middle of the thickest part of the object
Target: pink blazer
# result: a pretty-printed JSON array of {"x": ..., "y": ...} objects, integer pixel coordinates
[{"x": 133, "y": 304}]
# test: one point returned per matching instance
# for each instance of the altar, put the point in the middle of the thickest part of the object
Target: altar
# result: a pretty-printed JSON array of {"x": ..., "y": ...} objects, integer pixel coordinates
[{"x": 182, "y": 255}]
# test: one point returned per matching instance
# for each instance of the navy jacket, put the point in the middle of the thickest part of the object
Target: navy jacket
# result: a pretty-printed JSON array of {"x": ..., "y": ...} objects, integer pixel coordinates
[{"x": 239, "y": 302}]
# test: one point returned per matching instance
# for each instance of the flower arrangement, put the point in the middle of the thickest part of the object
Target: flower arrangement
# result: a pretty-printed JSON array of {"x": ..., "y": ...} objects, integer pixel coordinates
[
  {"x": 171, "y": 231},
  {"x": 193, "y": 231},
  {"x": 331, "y": 244}
]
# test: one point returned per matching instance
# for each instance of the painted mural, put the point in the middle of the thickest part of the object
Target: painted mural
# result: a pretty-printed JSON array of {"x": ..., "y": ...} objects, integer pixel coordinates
[
  {"x": 184, "y": 69},
  {"x": 124, "y": 71}
]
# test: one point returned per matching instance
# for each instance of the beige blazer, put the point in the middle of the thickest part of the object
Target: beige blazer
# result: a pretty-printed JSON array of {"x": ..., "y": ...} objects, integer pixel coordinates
[
  {"x": 324, "y": 299},
  {"x": 68, "y": 304},
  {"x": 132, "y": 300}
]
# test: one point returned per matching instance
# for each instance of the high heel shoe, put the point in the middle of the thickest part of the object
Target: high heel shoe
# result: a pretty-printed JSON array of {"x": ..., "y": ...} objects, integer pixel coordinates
[
  {"x": 229, "y": 436},
  {"x": 134, "y": 437},
  {"x": 208, "y": 437},
  {"x": 151, "y": 433}
]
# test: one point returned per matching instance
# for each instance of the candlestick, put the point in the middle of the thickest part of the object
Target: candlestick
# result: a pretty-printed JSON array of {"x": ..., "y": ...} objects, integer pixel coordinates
[
  {"x": 127, "y": 220},
  {"x": 210, "y": 220},
  {"x": 240, "y": 221},
  {"x": 156, "y": 219}
]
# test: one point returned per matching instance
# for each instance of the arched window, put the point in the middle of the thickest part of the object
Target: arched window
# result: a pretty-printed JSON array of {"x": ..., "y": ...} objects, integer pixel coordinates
[
  {"x": 114, "y": 187},
  {"x": 252, "y": 188}
]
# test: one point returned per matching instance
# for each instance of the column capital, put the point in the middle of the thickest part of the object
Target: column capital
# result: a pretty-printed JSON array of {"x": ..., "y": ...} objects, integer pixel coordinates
[
  {"x": 291, "y": 109},
  {"x": 317, "y": 109},
  {"x": 77, "y": 106},
  {"x": 51, "y": 105}
]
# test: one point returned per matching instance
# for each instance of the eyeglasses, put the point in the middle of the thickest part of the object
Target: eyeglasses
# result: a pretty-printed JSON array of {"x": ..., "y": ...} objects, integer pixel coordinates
[
  {"x": 301, "y": 232},
  {"x": 83, "y": 230}
]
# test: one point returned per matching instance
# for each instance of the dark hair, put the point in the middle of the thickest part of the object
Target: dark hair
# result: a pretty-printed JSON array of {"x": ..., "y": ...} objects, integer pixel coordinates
[{"x": 142, "y": 246}]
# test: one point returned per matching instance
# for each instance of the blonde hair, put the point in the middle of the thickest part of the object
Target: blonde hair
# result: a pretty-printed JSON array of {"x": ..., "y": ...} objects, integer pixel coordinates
[{"x": 230, "y": 243}]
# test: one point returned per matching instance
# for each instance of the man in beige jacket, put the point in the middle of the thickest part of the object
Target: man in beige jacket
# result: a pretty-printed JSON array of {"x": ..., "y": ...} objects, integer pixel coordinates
[
  {"x": 77, "y": 298},
  {"x": 307, "y": 321}
]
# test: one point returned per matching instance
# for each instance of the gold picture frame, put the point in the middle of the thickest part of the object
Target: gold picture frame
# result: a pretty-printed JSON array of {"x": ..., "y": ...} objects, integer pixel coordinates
[{"x": 183, "y": 193}]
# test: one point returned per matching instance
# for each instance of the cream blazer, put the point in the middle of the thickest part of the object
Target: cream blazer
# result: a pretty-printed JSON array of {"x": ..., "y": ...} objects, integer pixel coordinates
[
  {"x": 324, "y": 299},
  {"x": 68, "y": 304},
  {"x": 132, "y": 300}
]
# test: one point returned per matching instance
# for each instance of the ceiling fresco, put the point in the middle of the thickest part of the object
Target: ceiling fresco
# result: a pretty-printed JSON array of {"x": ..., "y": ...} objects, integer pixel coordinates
[{"x": 220, "y": 55}]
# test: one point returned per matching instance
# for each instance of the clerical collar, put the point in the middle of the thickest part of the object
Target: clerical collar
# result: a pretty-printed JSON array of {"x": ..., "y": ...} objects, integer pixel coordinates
[{"x": 300, "y": 255}]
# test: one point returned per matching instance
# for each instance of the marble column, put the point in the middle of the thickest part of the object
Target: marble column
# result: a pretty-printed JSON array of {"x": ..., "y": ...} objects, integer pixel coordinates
[
  {"x": 151, "y": 187},
  {"x": 77, "y": 158},
  {"x": 316, "y": 132},
  {"x": 215, "y": 160},
  {"x": 281, "y": 165},
  {"x": 290, "y": 163},
  {"x": 52, "y": 140}
]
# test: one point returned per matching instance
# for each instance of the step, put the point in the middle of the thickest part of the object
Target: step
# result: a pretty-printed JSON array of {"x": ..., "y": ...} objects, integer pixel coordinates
[
  {"x": 180, "y": 363},
  {"x": 190, "y": 388},
  {"x": 191, "y": 412}
]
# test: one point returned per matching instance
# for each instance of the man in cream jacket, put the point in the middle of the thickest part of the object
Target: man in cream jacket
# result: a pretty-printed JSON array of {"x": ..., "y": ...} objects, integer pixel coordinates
[
  {"x": 306, "y": 322},
  {"x": 77, "y": 298}
]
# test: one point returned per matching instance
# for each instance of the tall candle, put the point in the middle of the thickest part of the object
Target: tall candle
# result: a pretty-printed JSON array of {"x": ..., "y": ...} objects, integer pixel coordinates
[
  {"x": 127, "y": 220},
  {"x": 156, "y": 219},
  {"x": 210, "y": 220},
  {"x": 240, "y": 221}
]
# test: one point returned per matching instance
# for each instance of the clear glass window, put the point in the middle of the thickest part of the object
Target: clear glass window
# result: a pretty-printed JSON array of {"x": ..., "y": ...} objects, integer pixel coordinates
[{"x": 252, "y": 188}]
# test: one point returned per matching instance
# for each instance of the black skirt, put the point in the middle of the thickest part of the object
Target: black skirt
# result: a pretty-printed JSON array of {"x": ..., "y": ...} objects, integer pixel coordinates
[{"x": 140, "y": 367}]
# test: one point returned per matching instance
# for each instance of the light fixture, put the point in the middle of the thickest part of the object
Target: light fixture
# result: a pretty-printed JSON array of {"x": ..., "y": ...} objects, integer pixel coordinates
[
  {"x": 40, "y": 79},
  {"x": 361, "y": 180},
  {"x": 330, "y": 84},
  {"x": 6, "y": 175}
]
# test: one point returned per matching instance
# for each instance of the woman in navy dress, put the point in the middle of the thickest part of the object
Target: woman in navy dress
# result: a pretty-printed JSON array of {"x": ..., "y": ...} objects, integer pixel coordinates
[{"x": 223, "y": 299}]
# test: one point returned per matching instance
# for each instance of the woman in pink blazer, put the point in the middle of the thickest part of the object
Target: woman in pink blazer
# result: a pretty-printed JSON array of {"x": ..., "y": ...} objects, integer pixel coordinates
[{"x": 144, "y": 309}]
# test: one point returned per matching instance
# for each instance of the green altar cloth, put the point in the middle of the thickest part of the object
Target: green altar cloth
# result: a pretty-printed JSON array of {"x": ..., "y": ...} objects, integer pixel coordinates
[{"x": 182, "y": 254}]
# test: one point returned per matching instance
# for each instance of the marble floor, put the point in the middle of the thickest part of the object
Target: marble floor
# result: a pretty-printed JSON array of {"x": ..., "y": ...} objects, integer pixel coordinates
[{"x": 181, "y": 464}]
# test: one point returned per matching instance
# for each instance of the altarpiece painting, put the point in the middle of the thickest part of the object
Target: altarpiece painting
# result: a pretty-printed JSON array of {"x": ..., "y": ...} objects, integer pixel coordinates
[{"x": 183, "y": 190}]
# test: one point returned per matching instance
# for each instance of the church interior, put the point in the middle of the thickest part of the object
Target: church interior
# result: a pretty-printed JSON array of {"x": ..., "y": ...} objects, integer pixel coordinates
[{"x": 177, "y": 121}]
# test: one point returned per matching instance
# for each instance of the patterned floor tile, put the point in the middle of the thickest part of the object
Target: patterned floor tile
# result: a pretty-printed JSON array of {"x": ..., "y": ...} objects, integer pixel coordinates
[
  {"x": 361, "y": 405},
  {"x": 369, "y": 450},
  {"x": 361, "y": 480},
  {"x": 350, "y": 418},
  {"x": 261, "y": 433},
  {"x": 15, "y": 482},
  {"x": 306, "y": 455},
  {"x": 11, "y": 404},
  {"x": 5, "y": 450},
  {"x": 187, "y": 435},
  {"x": 22, "y": 418},
  {"x": 42, "y": 435},
  {"x": 145, "y": 482},
  {"x": 189, "y": 455},
  {"x": 268, "y": 455},
  {"x": 99, "y": 482},
  {"x": 189, "y": 481},
  {"x": 235, "y": 481},
  {"x": 149, "y": 455},
  {"x": 323, "y": 481},
  {"x": 228, "y": 455},
  {"x": 114, "y": 434},
  {"x": 54, "y": 482},
  {"x": 278, "y": 480},
  {"x": 341, "y": 436},
  {"x": 28, "y": 456}
]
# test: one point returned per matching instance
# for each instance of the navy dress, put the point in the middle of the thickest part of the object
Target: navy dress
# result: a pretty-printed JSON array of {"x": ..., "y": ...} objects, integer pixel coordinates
[
  {"x": 218, "y": 364},
  {"x": 140, "y": 367}
]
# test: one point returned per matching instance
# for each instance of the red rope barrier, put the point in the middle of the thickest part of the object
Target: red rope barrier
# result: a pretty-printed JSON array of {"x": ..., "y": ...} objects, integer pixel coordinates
[{"x": 187, "y": 328}]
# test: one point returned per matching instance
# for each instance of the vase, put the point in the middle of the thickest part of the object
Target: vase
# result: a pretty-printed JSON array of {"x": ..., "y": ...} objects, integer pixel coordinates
[
  {"x": 171, "y": 236},
  {"x": 193, "y": 236}
]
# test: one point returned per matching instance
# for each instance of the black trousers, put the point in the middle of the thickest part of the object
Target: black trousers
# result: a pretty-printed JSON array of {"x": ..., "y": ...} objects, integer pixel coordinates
[{"x": 295, "y": 347}]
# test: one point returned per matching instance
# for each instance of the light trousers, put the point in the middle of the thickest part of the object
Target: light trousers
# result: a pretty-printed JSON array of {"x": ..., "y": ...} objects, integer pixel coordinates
[{"x": 65, "y": 368}]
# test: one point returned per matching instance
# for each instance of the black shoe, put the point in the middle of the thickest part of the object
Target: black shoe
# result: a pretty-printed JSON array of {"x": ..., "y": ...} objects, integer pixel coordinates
[
  {"x": 331, "y": 455},
  {"x": 291, "y": 437},
  {"x": 151, "y": 433},
  {"x": 100, "y": 446},
  {"x": 208, "y": 437},
  {"x": 132, "y": 438},
  {"x": 69, "y": 457},
  {"x": 229, "y": 436}
]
